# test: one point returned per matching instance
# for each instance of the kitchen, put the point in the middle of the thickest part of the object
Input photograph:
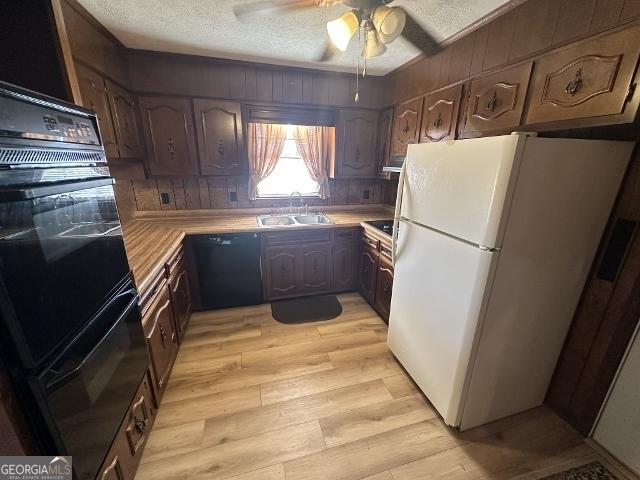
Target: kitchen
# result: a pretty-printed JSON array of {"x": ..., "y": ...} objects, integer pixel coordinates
[{"x": 246, "y": 261}]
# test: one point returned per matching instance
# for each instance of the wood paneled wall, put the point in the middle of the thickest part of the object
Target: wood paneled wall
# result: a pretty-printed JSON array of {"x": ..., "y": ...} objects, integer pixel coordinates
[
  {"x": 193, "y": 193},
  {"x": 187, "y": 75},
  {"x": 522, "y": 32}
]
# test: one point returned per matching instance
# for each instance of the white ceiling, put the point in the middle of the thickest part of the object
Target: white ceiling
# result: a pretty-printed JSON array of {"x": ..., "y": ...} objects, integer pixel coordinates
[{"x": 209, "y": 28}]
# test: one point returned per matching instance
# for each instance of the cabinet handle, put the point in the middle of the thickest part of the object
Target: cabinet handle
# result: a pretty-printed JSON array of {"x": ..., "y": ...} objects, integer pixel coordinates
[
  {"x": 163, "y": 335},
  {"x": 283, "y": 269},
  {"x": 141, "y": 425},
  {"x": 357, "y": 154},
  {"x": 315, "y": 266},
  {"x": 491, "y": 104},
  {"x": 575, "y": 85},
  {"x": 170, "y": 148},
  {"x": 405, "y": 129},
  {"x": 438, "y": 122},
  {"x": 387, "y": 287},
  {"x": 220, "y": 149}
]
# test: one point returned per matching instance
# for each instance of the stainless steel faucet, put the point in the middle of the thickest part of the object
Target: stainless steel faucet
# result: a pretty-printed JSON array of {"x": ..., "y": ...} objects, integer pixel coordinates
[{"x": 291, "y": 202}]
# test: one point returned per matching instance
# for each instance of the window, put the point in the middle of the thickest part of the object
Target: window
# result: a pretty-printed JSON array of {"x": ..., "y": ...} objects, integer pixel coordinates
[{"x": 290, "y": 174}]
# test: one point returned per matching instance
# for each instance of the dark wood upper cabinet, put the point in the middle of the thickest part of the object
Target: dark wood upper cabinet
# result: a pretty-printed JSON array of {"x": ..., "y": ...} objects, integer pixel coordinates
[
  {"x": 590, "y": 79},
  {"x": 440, "y": 115},
  {"x": 125, "y": 121},
  {"x": 496, "y": 101},
  {"x": 385, "y": 124},
  {"x": 169, "y": 133},
  {"x": 317, "y": 268},
  {"x": 220, "y": 139},
  {"x": 406, "y": 126},
  {"x": 94, "y": 96},
  {"x": 356, "y": 142}
]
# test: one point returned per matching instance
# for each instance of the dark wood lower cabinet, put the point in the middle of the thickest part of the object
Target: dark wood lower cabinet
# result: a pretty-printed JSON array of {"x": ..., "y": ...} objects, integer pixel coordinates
[
  {"x": 375, "y": 274},
  {"x": 162, "y": 338},
  {"x": 317, "y": 268},
  {"x": 281, "y": 272},
  {"x": 125, "y": 453},
  {"x": 345, "y": 260}
]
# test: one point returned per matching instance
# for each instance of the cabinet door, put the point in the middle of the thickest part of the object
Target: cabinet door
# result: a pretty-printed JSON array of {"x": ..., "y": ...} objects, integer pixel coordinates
[
  {"x": 497, "y": 100},
  {"x": 357, "y": 140},
  {"x": 367, "y": 275},
  {"x": 317, "y": 268},
  {"x": 345, "y": 266},
  {"x": 440, "y": 115},
  {"x": 94, "y": 96},
  {"x": 162, "y": 340},
  {"x": 220, "y": 144},
  {"x": 124, "y": 121},
  {"x": 180, "y": 299},
  {"x": 406, "y": 126},
  {"x": 588, "y": 80},
  {"x": 169, "y": 133},
  {"x": 385, "y": 123},
  {"x": 139, "y": 421},
  {"x": 281, "y": 267},
  {"x": 384, "y": 286}
]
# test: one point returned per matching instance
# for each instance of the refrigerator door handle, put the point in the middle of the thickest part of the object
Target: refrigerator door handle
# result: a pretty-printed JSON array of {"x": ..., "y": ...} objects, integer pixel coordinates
[{"x": 396, "y": 215}]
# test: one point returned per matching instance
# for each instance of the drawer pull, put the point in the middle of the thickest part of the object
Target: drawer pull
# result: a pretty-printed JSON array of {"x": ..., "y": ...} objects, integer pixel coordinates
[
  {"x": 491, "y": 104},
  {"x": 163, "y": 335},
  {"x": 438, "y": 122},
  {"x": 141, "y": 425},
  {"x": 405, "y": 129},
  {"x": 171, "y": 148},
  {"x": 575, "y": 85}
]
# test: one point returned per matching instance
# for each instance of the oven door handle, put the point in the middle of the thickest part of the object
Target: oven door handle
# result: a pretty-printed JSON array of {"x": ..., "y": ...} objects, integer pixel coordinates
[
  {"x": 55, "y": 189},
  {"x": 62, "y": 376}
]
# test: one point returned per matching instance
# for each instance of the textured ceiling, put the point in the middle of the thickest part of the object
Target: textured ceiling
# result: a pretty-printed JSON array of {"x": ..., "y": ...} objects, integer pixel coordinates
[{"x": 209, "y": 28}]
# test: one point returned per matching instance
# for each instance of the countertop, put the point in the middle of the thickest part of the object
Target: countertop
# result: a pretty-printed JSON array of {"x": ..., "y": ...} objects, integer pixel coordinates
[{"x": 152, "y": 239}]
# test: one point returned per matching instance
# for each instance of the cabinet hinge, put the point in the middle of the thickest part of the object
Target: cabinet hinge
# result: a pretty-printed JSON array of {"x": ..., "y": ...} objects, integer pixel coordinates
[{"x": 632, "y": 90}]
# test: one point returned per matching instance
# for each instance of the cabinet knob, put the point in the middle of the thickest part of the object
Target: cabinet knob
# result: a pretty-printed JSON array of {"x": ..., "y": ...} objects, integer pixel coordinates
[
  {"x": 220, "y": 149},
  {"x": 405, "y": 129},
  {"x": 163, "y": 335},
  {"x": 357, "y": 153},
  {"x": 491, "y": 104},
  {"x": 438, "y": 122},
  {"x": 575, "y": 85},
  {"x": 170, "y": 147},
  {"x": 141, "y": 425}
]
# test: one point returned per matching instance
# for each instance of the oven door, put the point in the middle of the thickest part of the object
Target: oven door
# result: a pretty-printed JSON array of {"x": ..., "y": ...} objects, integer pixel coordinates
[
  {"x": 61, "y": 257},
  {"x": 87, "y": 390}
]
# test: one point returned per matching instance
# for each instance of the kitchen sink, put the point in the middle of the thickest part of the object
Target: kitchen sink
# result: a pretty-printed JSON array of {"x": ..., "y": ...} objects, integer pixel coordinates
[
  {"x": 312, "y": 219},
  {"x": 293, "y": 220}
]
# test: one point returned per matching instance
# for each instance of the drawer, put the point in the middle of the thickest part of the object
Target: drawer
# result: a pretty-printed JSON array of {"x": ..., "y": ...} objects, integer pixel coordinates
[
  {"x": 297, "y": 237},
  {"x": 588, "y": 80},
  {"x": 345, "y": 236},
  {"x": 147, "y": 297},
  {"x": 173, "y": 263},
  {"x": 140, "y": 418},
  {"x": 385, "y": 250},
  {"x": 496, "y": 101},
  {"x": 370, "y": 242}
]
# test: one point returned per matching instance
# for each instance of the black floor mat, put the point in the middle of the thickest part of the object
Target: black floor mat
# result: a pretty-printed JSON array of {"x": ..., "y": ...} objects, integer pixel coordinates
[
  {"x": 308, "y": 309},
  {"x": 590, "y": 471}
]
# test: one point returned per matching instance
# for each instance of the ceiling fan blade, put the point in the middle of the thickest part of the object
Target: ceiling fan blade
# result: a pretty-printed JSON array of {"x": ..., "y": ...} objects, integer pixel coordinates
[
  {"x": 328, "y": 53},
  {"x": 270, "y": 7},
  {"x": 419, "y": 37}
]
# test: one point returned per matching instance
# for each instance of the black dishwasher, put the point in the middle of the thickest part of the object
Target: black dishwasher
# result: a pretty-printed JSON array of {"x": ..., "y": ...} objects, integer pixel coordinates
[{"x": 228, "y": 270}]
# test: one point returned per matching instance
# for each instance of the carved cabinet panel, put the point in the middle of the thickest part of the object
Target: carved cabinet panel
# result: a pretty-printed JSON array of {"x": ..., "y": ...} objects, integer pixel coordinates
[
  {"x": 162, "y": 339},
  {"x": 367, "y": 274},
  {"x": 588, "y": 80},
  {"x": 440, "y": 115},
  {"x": 281, "y": 268},
  {"x": 357, "y": 133},
  {"x": 317, "y": 268},
  {"x": 94, "y": 96},
  {"x": 406, "y": 126},
  {"x": 220, "y": 139},
  {"x": 384, "y": 287},
  {"x": 385, "y": 125},
  {"x": 180, "y": 299},
  {"x": 496, "y": 101},
  {"x": 170, "y": 136},
  {"x": 125, "y": 121},
  {"x": 345, "y": 266},
  {"x": 140, "y": 419}
]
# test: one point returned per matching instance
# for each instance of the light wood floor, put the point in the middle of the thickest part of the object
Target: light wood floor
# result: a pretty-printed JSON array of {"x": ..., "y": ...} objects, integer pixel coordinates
[{"x": 252, "y": 399}]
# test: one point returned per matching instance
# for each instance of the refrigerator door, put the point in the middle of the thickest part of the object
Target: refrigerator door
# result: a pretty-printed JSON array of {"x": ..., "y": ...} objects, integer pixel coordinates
[
  {"x": 460, "y": 187},
  {"x": 439, "y": 285}
]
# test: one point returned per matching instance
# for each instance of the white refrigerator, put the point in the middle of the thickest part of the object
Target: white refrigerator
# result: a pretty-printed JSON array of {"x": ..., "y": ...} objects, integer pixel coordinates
[{"x": 493, "y": 241}]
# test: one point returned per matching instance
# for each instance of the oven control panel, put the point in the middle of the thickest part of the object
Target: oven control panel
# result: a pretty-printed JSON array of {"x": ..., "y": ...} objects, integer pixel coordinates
[{"x": 40, "y": 120}]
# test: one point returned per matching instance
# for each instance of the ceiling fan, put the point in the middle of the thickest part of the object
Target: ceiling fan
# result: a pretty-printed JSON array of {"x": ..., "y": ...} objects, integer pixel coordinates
[{"x": 376, "y": 23}]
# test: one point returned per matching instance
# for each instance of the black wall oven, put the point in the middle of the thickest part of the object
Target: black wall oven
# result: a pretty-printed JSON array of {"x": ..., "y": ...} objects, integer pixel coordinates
[{"x": 71, "y": 329}]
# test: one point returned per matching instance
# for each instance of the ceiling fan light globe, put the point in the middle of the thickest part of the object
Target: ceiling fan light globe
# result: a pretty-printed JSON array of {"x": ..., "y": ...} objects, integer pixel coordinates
[
  {"x": 373, "y": 47},
  {"x": 389, "y": 22},
  {"x": 342, "y": 29}
]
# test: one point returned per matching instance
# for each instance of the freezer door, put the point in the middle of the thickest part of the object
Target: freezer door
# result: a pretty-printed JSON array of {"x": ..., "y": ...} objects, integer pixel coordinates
[
  {"x": 461, "y": 187},
  {"x": 439, "y": 284}
]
